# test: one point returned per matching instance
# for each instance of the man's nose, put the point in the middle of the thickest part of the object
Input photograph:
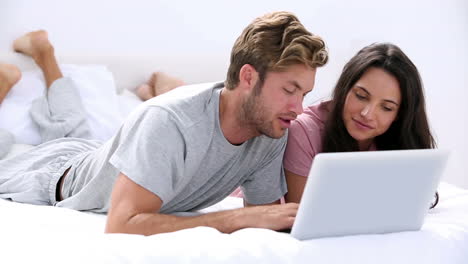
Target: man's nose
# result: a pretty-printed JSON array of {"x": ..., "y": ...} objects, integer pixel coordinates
[{"x": 297, "y": 105}]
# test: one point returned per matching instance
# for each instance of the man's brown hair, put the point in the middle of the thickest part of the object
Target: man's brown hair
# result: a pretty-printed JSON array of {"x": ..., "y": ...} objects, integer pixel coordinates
[{"x": 272, "y": 43}]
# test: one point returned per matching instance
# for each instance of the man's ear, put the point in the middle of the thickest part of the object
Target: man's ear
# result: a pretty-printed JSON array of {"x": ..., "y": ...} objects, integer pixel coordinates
[{"x": 248, "y": 77}]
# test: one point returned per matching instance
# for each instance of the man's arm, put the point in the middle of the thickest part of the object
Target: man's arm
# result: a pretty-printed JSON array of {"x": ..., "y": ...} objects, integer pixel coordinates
[
  {"x": 134, "y": 210},
  {"x": 246, "y": 204}
]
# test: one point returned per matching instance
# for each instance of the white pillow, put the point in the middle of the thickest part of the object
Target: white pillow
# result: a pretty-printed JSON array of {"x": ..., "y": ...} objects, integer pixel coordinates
[{"x": 97, "y": 90}]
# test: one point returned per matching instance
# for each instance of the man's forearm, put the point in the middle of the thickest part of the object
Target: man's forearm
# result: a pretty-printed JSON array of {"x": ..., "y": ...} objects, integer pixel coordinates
[
  {"x": 151, "y": 223},
  {"x": 132, "y": 208},
  {"x": 273, "y": 217}
]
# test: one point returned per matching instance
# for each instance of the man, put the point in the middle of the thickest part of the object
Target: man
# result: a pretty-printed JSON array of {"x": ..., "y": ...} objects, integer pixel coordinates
[{"x": 189, "y": 148}]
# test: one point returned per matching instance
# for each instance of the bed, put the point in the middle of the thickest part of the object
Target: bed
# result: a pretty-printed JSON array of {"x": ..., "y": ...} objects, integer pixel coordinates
[{"x": 44, "y": 234}]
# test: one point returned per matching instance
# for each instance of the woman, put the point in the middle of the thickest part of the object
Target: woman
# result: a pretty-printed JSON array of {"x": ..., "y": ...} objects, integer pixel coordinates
[{"x": 377, "y": 104}]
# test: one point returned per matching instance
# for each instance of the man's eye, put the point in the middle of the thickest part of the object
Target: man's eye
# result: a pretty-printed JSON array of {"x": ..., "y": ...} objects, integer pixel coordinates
[
  {"x": 288, "y": 91},
  {"x": 361, "y": 97}
]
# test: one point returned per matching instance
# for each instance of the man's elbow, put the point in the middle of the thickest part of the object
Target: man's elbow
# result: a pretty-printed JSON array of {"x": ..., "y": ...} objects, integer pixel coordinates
[
  {"x": 119, "y": 225},
  {"x": 115, "y": 228}
]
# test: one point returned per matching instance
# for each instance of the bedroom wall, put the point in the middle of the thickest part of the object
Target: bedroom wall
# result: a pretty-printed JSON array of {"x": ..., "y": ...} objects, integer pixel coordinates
[{"x": 433, "y": 33}]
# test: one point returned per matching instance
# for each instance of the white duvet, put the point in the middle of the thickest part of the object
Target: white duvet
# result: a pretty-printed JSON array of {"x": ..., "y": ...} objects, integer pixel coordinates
[{"x": 43, "y": 234}]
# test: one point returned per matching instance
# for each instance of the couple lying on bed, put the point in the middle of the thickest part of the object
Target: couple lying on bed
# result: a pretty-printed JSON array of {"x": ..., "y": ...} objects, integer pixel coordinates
[{"x": 193, "y": 146}]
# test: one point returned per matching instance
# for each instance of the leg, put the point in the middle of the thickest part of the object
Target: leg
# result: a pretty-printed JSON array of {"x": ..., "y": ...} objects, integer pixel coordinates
[
  {"x": 9, "y": 76},
  {"x": 163, "y": 83},
  {"x": 37, "y": 45},
  {"x": 32, "y": 176},
  {"x": 158, "y": 84},
  {"x": 145, "y": 91},
  {"x": 60, "y": 113}
]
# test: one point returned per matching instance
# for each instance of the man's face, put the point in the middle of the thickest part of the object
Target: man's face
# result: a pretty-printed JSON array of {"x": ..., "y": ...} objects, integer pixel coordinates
[{"x": 270, "y": 111}]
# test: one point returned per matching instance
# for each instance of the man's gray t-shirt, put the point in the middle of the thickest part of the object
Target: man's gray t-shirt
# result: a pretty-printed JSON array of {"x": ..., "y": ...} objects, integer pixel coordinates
[{"x": 173, "y": 146}]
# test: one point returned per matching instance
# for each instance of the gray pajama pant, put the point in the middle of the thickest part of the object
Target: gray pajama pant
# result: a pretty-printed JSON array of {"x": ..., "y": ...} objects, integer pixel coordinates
[
  {"x": 32, "y": 177},
  {"x": 6, "y": 142},
  {"x": 59, "y": 113}
]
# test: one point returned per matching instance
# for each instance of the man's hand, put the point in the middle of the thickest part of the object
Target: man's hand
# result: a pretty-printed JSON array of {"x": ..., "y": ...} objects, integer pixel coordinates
[
  {"x": 134, "y": 210},
  {"x": 275, "y": 217}
]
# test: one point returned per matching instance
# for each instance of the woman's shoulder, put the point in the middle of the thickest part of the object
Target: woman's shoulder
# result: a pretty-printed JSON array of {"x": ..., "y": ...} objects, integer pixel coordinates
[
  {"x": 309, "y": 127},
  {"x": 314, "y": 116},
  {"x": 305, "y": 138}
]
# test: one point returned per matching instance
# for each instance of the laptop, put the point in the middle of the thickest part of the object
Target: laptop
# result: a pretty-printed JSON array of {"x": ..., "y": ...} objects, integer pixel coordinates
[{"x": 372, "y": 192}]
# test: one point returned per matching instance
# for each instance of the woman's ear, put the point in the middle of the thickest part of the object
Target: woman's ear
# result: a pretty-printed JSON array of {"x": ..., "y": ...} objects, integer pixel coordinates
[{"x": 248, "y": 77}]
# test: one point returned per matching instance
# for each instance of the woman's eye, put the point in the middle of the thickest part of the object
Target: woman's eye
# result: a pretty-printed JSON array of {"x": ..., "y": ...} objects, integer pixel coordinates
[{"x": 388, "y": 109}]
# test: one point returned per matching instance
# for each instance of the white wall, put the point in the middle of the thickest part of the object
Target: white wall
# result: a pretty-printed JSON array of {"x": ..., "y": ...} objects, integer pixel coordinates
[{"x": 433, "y": 33}]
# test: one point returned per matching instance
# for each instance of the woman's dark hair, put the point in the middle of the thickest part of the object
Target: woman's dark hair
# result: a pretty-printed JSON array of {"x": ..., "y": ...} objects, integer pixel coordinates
[{"x": 410, "y": 130}]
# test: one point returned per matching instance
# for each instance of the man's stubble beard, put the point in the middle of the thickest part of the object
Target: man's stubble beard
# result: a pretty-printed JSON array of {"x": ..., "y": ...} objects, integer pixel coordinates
[{"x": 256, "y": 116}]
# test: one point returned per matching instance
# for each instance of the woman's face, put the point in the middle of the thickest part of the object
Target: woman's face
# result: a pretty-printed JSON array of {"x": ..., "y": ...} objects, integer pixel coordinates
[{"x": 371, "y": 106}]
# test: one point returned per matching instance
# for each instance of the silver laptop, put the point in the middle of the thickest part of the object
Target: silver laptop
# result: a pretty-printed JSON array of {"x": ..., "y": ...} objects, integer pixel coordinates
[{"x": 370, "y": 192}]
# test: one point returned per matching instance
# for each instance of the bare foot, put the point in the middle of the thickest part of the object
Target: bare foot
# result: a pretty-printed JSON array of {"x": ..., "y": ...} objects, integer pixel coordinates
[
  {"x": 9, "y": 76},
  {"x": 158, "y": 84},
  {"x": 163, "y": 83},
  {"x": 145, "y": 92},
  {"x": 37, "y": 45},
  {"x": 33, "y": 44}
]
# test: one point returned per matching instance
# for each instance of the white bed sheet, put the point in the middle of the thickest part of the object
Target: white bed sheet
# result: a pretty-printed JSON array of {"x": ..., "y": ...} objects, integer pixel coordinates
[{"x": 43, "y": 234}]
